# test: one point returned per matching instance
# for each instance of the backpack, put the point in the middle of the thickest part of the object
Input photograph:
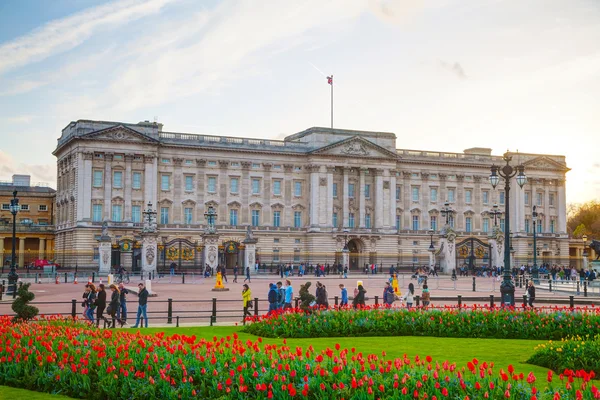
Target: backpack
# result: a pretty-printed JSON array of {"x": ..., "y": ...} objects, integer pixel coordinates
[
  {"x": 389, "y": 297},
  {"x": 273, "y": 296}
]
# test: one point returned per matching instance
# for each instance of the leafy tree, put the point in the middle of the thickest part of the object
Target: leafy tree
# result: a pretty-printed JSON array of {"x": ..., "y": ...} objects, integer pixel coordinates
[
  {"x": 23, "y": 310},
  {"x": 584, "y": 219}
]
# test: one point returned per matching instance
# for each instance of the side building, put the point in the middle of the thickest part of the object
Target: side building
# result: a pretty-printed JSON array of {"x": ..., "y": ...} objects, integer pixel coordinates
[
  {"x": 305, "y": 197},
  {"x": 34, "y": 222}
]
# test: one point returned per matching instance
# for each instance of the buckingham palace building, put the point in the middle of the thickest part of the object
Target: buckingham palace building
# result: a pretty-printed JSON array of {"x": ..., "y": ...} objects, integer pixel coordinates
[{"x": 302, "y": 198}]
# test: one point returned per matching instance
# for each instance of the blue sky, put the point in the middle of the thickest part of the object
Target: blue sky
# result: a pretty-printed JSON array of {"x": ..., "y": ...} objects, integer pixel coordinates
[{"x": 442, "y": 74}]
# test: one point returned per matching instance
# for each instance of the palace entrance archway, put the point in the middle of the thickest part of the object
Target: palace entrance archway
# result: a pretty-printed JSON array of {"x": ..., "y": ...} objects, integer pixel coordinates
[
  {"x": 355, "y": 247},
  {"x": 230, "y": 254}
]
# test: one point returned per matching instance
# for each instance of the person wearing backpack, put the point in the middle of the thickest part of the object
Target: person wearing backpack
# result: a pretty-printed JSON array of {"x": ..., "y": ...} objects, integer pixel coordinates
[
  {"x": 426, "y": 296},
  {"x": 273, "y": 298},
  {"x": 280, "y": 295},
  {"x": 388, "y": 295}
]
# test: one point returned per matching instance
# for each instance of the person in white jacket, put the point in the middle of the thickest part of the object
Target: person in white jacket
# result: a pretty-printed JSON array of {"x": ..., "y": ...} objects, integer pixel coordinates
[{"x": 409, "y": 296}]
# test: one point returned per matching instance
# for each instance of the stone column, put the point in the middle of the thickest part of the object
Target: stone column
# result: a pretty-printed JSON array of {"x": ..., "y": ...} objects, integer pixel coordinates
[
  {"x": 108, "y": 157},
  {"x": 245, "y": 188},
  {"x": 424, "y": 201},
  {"x": 330, "y": 171},
  {"x": 42, "y": 249},
  {"x": 22, "y": 251},
  {"x": 562, "y": 207},
  {"x": 288, "y": 215},
  {"x": 200, "y": 164},
  {"x": 460, "y": 203},
  {"x": 86, "y": 202},
  {"x": 149, "y": 252},
  {"x": 378, "y": 199},
  {"x": 477, "y": 199},
  {"x": 250, "y": 253},
  {"x": 150, "y": 181},
  {"x": 361, "y": 203},
  {"x": 406, "y": 194},
  {"x": 222, "y": 192},
  {"x": 178, "y": 182},
  {"x": 1, "y": 251},
  {"x": 105, "y": 251},
  {"x": 211, "y": 250},
  {"x": 547, "y": 206},
  {"x": 314, "y": 197},
  {"x": 127, "y": 180},
  {"x": 345, "y": 199}
]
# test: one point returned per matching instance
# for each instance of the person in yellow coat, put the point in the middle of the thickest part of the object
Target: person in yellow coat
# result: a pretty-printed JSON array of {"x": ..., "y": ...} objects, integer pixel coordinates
[
  {"x": 247, "y": 297},
  {"x": 395, "y": 285}
]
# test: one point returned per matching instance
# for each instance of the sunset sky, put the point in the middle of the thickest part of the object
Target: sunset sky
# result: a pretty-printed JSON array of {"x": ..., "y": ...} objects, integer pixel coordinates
[{"x": 443, "y": 75}]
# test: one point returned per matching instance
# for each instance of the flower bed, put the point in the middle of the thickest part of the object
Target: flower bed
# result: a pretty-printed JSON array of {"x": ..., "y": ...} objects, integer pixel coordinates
[
  {"x": 580, "y": 352},
  {"x": 473, "y": 322},
  {"x": 79, "y": 361}
]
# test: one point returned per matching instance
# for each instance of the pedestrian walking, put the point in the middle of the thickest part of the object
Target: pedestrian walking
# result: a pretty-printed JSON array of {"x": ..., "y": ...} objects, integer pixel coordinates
[
  {"x": 172, "y": 267},
  {"x": 530, "y": 294},
  {"x": 426, "y": 296},
  {"x": 280, "y": 295},
  {"x": 142, "y": 305},
  {"x": 122, "y": 311},
  {"x": 388, "y": 295},
  {"x": 247, "y": 275},
  {"x": 273, "y": 297},
  {"x": 247, "y": 299},
  {"x": 224, "y": 273},
  {"x": 113, "y": 306},
  {"x": 235, "y": 273},
  {"x": 289, "y": 294},
  {"x": 90, "y": 302},
  {"x": 409, "y": 296},
  {"x": 321, "y": 295},
  {"x": 345, "y": 272},
  {"x": 344, "y": 296},
  {"x": 359, "y": 297},
  {"x": 100, "y": 304}
]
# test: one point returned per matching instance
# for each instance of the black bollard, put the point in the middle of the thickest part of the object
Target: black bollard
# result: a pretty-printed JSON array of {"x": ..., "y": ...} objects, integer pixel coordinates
[
  {"x": 524, "y": 301},
  {"x": 170, "y": 311},
  {"x": 473, "y": 283},
  {"x": 335, "y": 299},
  {"x": 459, "y": 301},
  {"x": 213, "y": 317},
  {"x": 584, "y": 288},
  {"x": 93, "y": 277},
  {"x": 183, "y": 277},
  {"x": 418, "y": 300},
  {"x": 256, "y": 306},
  {"x": 65, "y": 277},
  {"x": 550, "y": 285},
  {"x": 572, "y": 302},
  {"x": 578, "y": 288},
  {"x": 177, "y": 321},
  {"x": 73, "y": 308},
  {"x": 376, "y": 300},
  {"x": 296, "y": 302},
  {"x": 491, "y": 301},
  {"x": 1, "y": 291}
]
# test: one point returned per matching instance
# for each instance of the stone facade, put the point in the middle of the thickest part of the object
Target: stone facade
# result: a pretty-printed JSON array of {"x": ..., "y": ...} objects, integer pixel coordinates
[
  {"x": 35, "y": 221},
  {"x": 304, "y": 196}
]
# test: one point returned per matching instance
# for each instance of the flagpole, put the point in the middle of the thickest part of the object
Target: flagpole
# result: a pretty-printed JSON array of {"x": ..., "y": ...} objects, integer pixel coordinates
[{"x": 331, "y": 101}]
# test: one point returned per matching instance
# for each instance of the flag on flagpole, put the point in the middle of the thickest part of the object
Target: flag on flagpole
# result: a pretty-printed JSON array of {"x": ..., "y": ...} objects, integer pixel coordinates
[{"x": 330, "y": 80}]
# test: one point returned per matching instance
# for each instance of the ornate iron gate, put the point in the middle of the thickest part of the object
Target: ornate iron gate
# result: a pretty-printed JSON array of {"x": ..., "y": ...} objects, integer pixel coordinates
[
  {"x": 473, "y": 254},
  {"x": 184, "y": 253}
]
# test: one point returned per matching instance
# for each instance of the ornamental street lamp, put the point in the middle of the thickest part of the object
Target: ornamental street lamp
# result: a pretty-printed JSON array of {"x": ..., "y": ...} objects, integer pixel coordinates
[
  {"x": 211, "y": 217},
  {"x": 447, "y": 212},
  {"x": 431, "y": 247},
  {"x": 149, "y": 219},
  {"x": 507, "y": 172},
  {"x": 535, "y": 270},
  {"x": 346, "y": 251},
  {"x": 12, "y": 276},
  {"x": 495, "y": 213}
]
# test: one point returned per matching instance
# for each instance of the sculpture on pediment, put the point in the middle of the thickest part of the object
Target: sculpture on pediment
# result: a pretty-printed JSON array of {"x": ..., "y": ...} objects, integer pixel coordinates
[
  {"x": 119, "y": 135},
  {"x": 355, "y": 148}
]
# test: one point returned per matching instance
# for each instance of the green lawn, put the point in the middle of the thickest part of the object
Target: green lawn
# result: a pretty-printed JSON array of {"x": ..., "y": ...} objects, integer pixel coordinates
[{"x": 500, "y": 352}]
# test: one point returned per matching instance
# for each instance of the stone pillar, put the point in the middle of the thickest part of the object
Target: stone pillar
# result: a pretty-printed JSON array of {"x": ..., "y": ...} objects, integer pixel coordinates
[
  {"x": 330, "y": 171},
  {"x": 108, "y": 157},
  {"x": 22, "y": 252},
  {"x": 178, "y": 183},
  {"x": 211, "y": 250},
  {"x": 378, "y": 199},
  {"x": 345, "y": 199},
  {"x": 86, "y": 202},
  {"x": 127, "y": 180},
  {"x": 561, "y": 207},
  {"x": 42, "y": 249},
  {"x": 448, "y": 253},
  {"x": 200, "y": 190},
  {"x": 150, "y": 181},
  {"x": 314, "y": 197},
  {"x": 496, "y": 241},
  {"x": 407, "y": 204},
  {"x": 105, "y": 251},
  {"x": 267, "y": 220},
  {"x": 1, "y": 251},
  {"x": 361, "y": 203},
  {"x": 150, "y": 252},
  {"x": 250, "y": 256},
  {"x": 288, "y": 215},
  {"x": 245, "y": 189},
  {"x": 547, "y": 206},
  {"x": 460, "y": 203}
]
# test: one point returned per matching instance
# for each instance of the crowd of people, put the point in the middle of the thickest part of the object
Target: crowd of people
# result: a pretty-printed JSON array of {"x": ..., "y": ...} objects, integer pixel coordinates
[{"x": 95, "y": 304}]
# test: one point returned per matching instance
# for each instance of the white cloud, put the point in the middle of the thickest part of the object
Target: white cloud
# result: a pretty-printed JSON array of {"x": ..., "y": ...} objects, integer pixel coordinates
[
  {"x": 67, "y": 33},
  {"x": 45, "y": 173}
]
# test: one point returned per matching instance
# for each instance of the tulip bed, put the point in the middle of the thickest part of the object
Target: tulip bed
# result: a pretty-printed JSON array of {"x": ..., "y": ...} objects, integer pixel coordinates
[
  {"x": 473, "y": 322},
  {"x": 580, "y": 352},
  {"x": 73, "y": 359}
]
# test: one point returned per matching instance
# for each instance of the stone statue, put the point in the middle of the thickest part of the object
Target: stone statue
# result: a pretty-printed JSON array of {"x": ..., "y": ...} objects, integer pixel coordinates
[
  {"x": 249, "y": 234},
  {"x": 104, "y": 229}
]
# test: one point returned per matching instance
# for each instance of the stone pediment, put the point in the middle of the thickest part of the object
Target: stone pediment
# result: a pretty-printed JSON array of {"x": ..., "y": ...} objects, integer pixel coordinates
[
  {"x": 543, "y": 162},
  {"x": 119, "y": 133},
  {"x": 355, "y": 147}
]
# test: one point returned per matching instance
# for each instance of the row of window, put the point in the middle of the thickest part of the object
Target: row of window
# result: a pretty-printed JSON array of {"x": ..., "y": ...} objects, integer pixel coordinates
[{"x": 25, "y": 207}]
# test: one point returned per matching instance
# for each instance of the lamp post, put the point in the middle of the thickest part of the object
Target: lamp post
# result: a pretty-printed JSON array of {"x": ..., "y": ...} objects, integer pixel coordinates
[
  {"x": 431, "y": 250},
  {"x": 346, "y": 251},
  {"x": 149, "y": 218},
  {"x": 12, "y": 275},
  {"x": 585, "y": 253},
  {"x": 495, "y": 213},
  {"x": 447, "y": 212},
  {"x": 507, "y": 172},
  {"x": 211, "y": 217}
]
